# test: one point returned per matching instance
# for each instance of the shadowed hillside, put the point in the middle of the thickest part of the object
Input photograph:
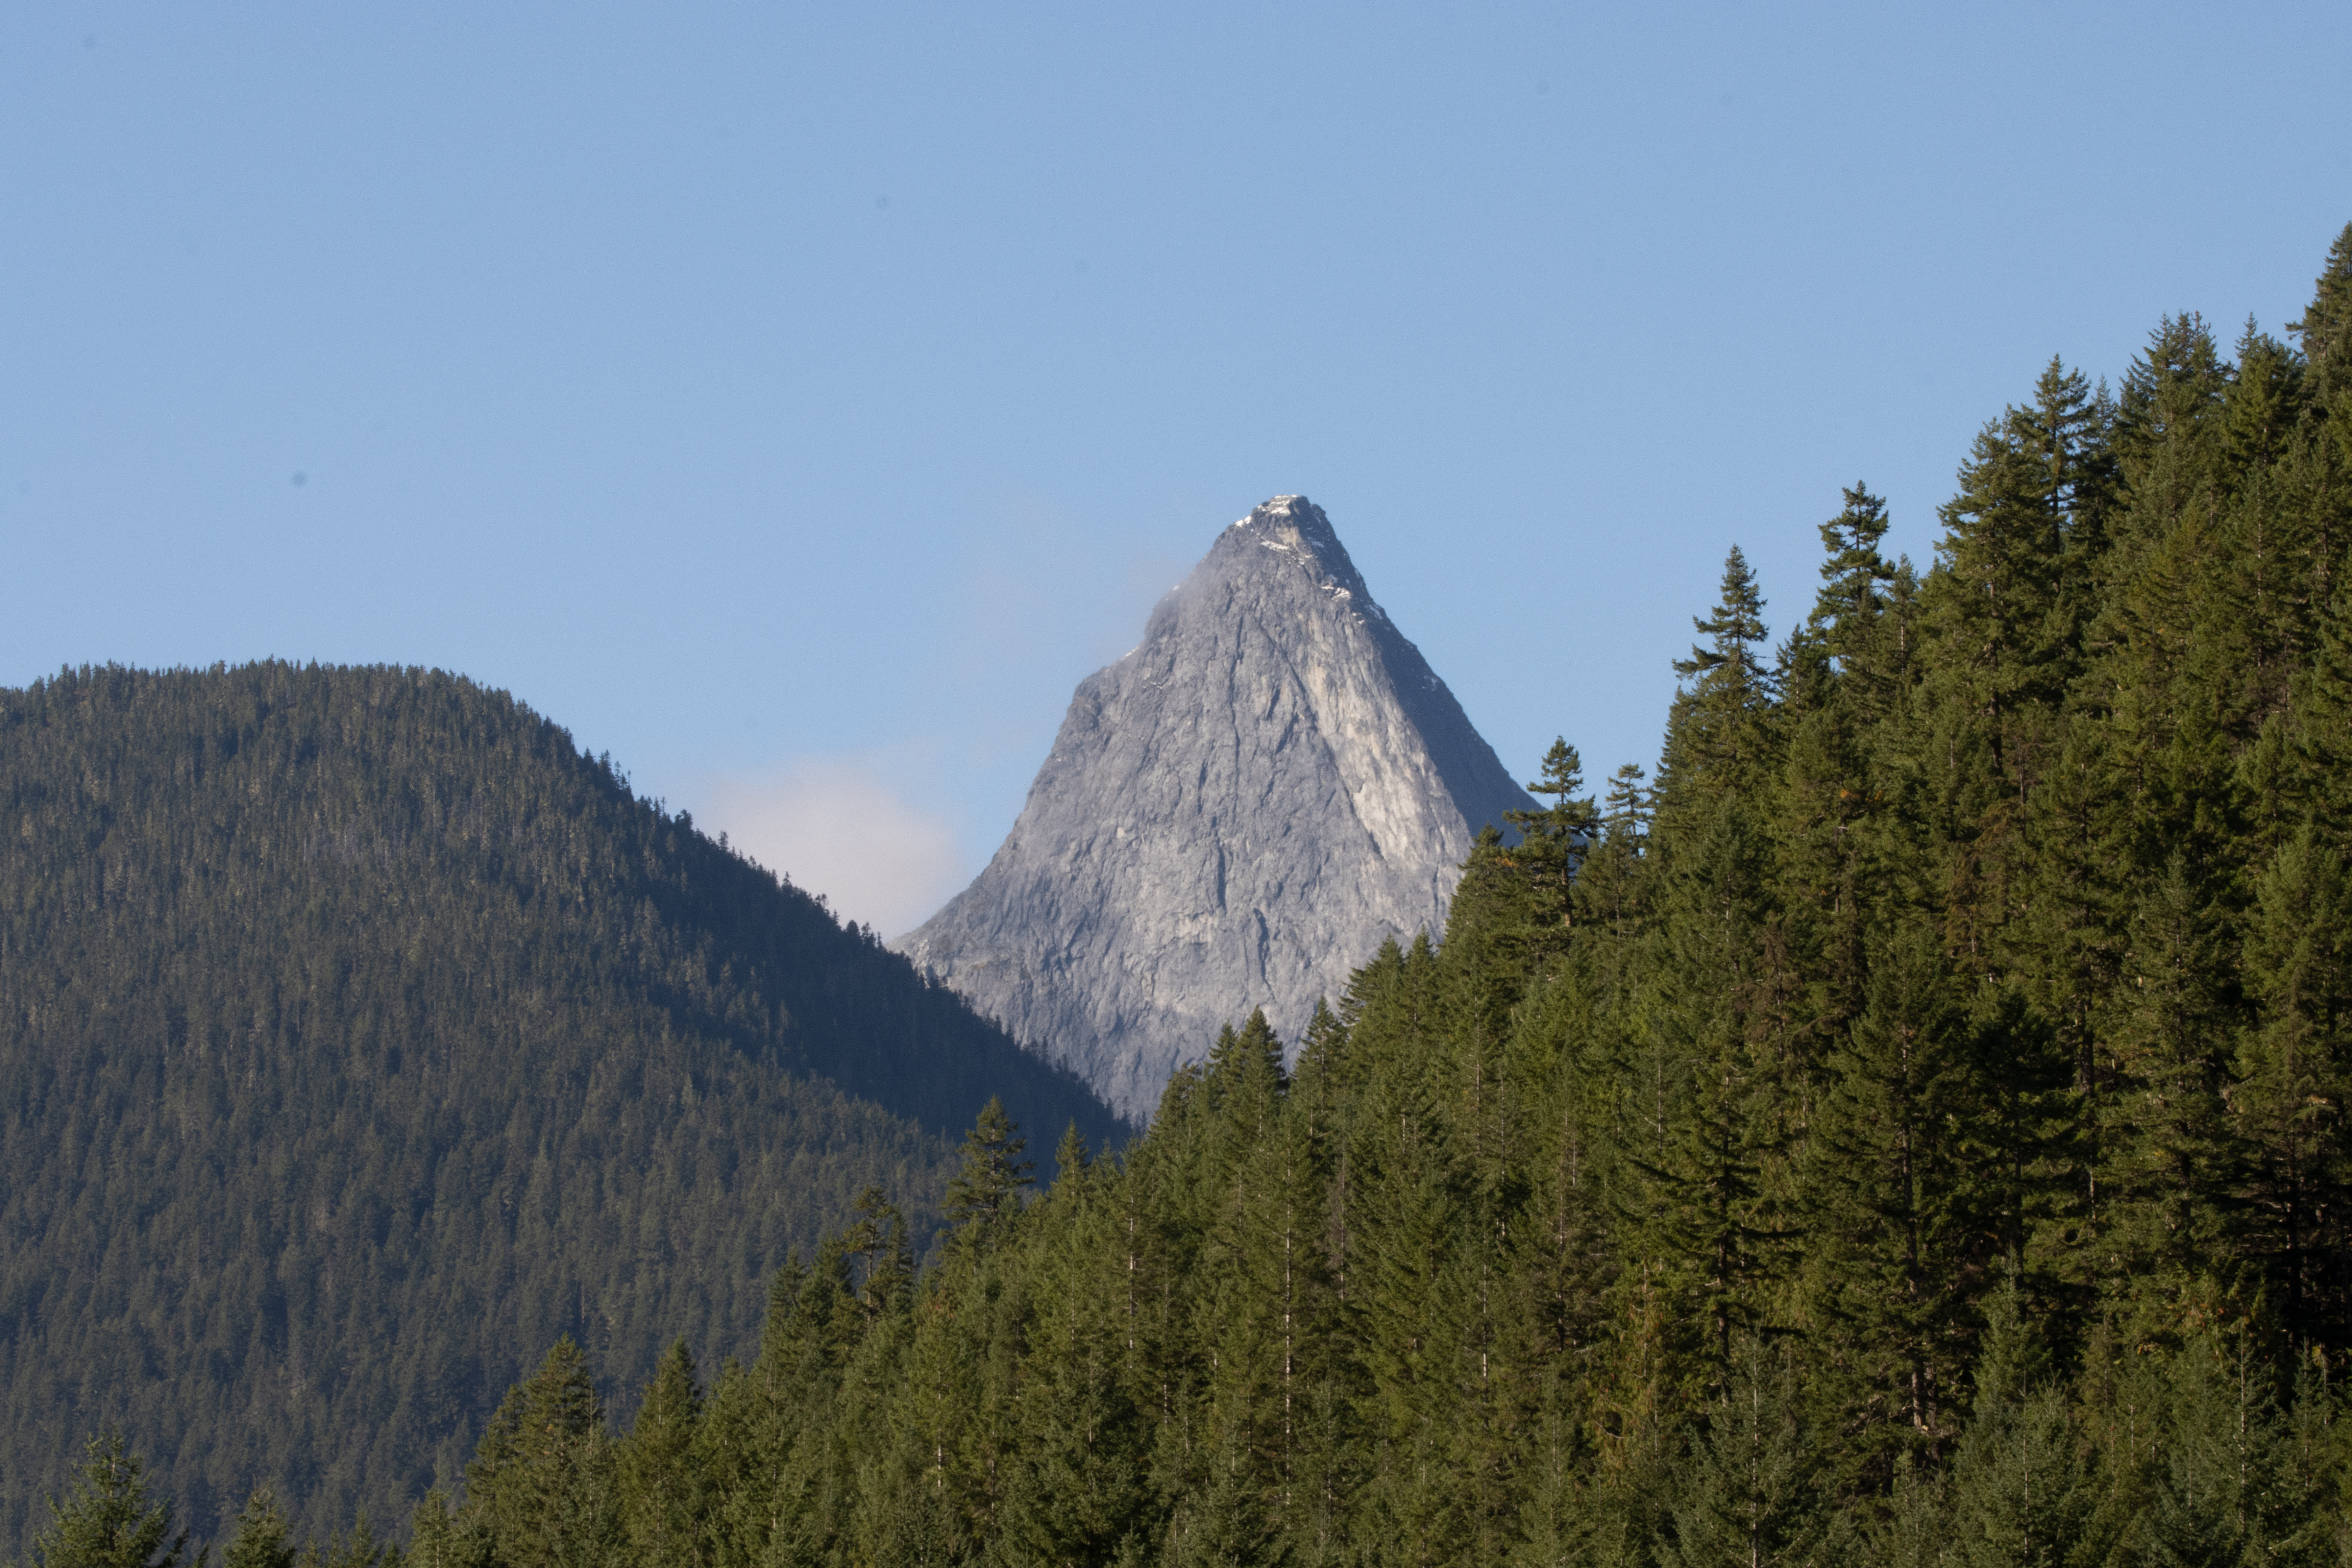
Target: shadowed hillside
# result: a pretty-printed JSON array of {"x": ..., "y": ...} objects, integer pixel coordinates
[{"x": 359, "y": 1037}]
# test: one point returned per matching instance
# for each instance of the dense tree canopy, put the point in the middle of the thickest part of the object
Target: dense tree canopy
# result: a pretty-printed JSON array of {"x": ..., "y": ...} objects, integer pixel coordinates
[{"x": 359, "y": 1038}]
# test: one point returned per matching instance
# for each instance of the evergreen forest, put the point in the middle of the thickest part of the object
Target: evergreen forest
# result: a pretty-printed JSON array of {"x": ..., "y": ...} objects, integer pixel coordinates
[
  {"x": 360, "y": 1038},
  {"x": 1909, "y": 1130}
]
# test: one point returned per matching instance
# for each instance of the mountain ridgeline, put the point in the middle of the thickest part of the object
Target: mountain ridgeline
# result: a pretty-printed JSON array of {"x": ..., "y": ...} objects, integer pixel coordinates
[
  {"x": 359, "y": 1038},
  {"x": 1912, "y": 1134},
  {"x": 1234, "y": 815}
]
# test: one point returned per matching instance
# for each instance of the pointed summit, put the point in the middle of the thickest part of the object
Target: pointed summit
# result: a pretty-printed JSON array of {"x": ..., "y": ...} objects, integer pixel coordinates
[{"x": 1233, "y": 816}]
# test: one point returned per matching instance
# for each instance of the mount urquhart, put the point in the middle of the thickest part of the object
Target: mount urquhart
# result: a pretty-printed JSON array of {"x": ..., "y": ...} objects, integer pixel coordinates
[{"x": 1235, "y": 814}]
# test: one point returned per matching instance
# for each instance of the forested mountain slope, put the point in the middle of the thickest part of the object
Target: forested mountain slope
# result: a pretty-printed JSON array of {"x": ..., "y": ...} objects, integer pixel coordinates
[
  {"x": 359, "y": 1038},
  {"x": 1914, "y": 1134}
]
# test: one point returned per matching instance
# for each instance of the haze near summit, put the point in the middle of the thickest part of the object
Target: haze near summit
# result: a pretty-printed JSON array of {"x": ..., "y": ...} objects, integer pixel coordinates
[{"x": 777, "y": 397}]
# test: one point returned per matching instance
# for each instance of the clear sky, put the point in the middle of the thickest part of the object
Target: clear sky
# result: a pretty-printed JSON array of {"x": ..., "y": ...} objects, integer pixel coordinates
[{"x": 798, "y": 401}]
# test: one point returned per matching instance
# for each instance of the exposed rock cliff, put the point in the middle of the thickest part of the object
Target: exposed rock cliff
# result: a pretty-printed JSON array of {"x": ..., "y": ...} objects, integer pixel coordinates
[{"x": 1233, "y": 816}]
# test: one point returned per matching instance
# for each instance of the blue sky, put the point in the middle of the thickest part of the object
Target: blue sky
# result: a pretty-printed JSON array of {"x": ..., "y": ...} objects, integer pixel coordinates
[{"x": 797, "y": 401}]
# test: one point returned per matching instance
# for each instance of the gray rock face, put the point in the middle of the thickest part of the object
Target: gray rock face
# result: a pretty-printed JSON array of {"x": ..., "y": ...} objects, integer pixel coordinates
[{"x": 1234, "y": 815}]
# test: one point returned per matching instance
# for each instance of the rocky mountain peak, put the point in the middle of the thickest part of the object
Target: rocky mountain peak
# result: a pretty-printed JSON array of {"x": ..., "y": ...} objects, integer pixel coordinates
[
  {"x": 1233, "y": 816},
  {"x": 1296, "y": 527}
]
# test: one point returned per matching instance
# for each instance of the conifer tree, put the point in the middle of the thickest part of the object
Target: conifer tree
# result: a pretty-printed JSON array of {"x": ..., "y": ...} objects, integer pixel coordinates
[
  {"x": 877, "y": 1236},
  {"x": 439, "y": 1538},
  {"x": 2169, "y": 433},
  {"x": 1416, "y": 1329},
  {"x": 2168, "y": 1163},
  {"x": 1718, "y": 737},
  {"x": 2273, "y": 574},
  {"x": 2025, "y": 1142},
  {"x": 260, "y": 1540},
  {"x": 539, "y": 1485},
  {"x": 987, "y": 1189},
  {"x": 359, "y": 1549},
  {"x": 2023, "y": 1494},
  {"x": 1260, "y": 1222},
  {"x": 2324, "y": 328},
  {"x": 928, "y": 1486},
  {"x": 1612, "y": 887},
  {"x": 1323, "y": 1062},
  {"x": 1628, "y": 802},
  {"x": 1719, "y": 1215},
  {"x": 1910, "y": 1530},
  {"x": 1367, "y": 985},
  {"x": 1262, "y": 1308},
  {"x": 1553, "y": 842},
  {"x": 1897, "y": 1223},
  {"x": 2294, "y": 1072},
  {"x": 664, "y": 1494},
  {"x": 788, "y": 1490},
  {"x": 1392, "y": 1010},
  {"x": 1841, "y": 680},
  {"x": 2004, "y": 612},
  {"x": 2223, "y": 1484},
  {"x": 1073, "y": 1161},
  {"x": 108, "y": 1522},
  {"x": 1558, "y": 1512},
  {"x": 1080, "y": 1470},
  {"x": 1849, "y": 616},
  {"x": 1749, "y": 1490}
]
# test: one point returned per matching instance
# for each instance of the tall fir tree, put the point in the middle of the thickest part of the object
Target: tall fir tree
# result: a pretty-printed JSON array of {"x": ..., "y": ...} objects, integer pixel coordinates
[
  {"x": 988, "y": 1189},
  {"x": 1898, "y": 1225},
  {"x": 663, "y": 1496},
  {"x": 540, "y": 1488},
  {"x": 260, "y": 1539},
  {"x": 108, "y": 1520}
]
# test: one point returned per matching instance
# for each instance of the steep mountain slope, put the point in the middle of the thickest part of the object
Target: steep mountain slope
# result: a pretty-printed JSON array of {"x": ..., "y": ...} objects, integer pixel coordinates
[
  {"x": 1234, "y": 815},
  {"x": 359, "y": 1038}
]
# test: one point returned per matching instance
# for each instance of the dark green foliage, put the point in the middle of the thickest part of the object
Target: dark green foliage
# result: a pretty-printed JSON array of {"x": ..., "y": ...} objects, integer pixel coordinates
[
  {"x": 541, "y": 1490},
  {"x": 359, "y": 1038},
  {"x": 108, "y": 1519},
  {"x": 662, "y": 1491},
  {"x": 984, "y": 1191},
  {"x": 1749, "y": 1489},
  {"x": 359, "y": 1549},
  {"x": 260, "y": 1538},
  {"x": 1902, "y": 1229}
]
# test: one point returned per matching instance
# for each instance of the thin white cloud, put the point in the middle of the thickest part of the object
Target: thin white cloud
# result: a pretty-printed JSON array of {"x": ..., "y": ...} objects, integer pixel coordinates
[
  {"x": 1047, "y": 596},
  {"x": 845, "y": 827}
]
